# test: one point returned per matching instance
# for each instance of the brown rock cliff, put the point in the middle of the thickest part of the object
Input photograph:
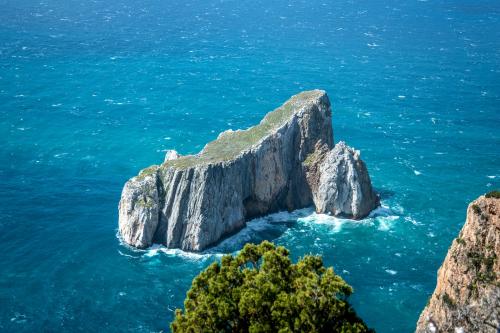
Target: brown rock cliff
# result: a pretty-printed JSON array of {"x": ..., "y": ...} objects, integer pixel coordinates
[{"x": 467, "y": 294}]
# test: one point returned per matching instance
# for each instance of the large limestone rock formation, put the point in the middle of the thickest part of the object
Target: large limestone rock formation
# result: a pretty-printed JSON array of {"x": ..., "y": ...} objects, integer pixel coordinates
[
  {"x": 338, "y": 179},
  {"x": 288, "y": 161},
  {"x": 467, "y": 295}
]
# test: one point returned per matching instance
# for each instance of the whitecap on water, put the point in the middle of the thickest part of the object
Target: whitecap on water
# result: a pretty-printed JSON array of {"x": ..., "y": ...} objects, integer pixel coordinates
[
  {"x": 271, "y": 227},
  {"x": 383, "y": 217},
  {"x": 19, "y": 318},
  {"x": 333, "y": 221},
  {"x": 155, "y": 249},
  {"x": 257, "y": 229},
  {"x": 385, "y": 222},
  {"x": 126, "y": 255},
  {"x": 381, "y": 210},
  {"x": 411, "y": 220}
]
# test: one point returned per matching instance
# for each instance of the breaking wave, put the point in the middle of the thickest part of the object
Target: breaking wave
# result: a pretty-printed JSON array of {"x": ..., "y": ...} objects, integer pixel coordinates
[{"x": 274, "y": 227}]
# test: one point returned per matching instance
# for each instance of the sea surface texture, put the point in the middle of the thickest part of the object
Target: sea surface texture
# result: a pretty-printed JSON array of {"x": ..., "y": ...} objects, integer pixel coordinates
[{"x": 93, "y": 91}]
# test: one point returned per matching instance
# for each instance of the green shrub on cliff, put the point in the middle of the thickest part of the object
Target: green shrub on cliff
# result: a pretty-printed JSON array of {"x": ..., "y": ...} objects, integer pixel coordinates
[
  {"x": 493, "y": 194},
  {"x": 261, "y": 290}
]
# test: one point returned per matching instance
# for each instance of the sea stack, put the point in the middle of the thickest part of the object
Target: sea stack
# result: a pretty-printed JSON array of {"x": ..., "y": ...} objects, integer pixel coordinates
[
  {"x": 467, "y": 294},
  {"x": 288, "y": 161}
]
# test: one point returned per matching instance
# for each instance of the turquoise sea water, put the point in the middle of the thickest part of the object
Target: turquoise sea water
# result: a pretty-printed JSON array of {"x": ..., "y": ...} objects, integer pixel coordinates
[{"x": 93, "y": 91}]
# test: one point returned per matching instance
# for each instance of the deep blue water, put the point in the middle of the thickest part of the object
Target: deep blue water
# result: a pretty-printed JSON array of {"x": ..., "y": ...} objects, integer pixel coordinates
[{"x": 93, "y": 91}]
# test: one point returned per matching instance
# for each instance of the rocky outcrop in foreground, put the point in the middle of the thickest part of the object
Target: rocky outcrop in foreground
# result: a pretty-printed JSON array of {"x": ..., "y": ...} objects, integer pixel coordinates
[
  {"x": 286, "y": 162},
  {"x": 467, "y": 295}
]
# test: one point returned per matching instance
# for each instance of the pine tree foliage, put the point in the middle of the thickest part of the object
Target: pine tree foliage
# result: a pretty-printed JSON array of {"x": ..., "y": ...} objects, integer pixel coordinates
[{"x": 261, "y": 290}]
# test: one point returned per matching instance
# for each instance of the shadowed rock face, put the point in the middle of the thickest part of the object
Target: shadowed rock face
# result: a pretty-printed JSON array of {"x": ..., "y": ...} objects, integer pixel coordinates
[
  {"x": 467, "y": 294},
  {"x": 283, "y": 163}
]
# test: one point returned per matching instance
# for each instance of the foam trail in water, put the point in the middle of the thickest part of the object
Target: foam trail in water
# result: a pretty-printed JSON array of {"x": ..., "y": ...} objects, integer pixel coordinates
[
  {"x": 383, "y": 217},
  {"x": 333, "y": 221},
  {"x": 156, "y": 249},
  {"x": 273, "y": 226},
  {"x": 257, "y": 230}
]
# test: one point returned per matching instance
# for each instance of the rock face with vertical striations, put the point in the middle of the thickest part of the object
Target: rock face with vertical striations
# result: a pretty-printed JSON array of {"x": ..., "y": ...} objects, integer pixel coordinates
[
  {"x": 285, "y": 162},
  {"x": 467, "y": 294},
  {"x": 340, "y": 182}
]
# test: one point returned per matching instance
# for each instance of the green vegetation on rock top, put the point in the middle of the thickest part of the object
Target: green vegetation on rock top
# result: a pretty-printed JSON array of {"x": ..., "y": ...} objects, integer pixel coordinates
[
  {"x": 231, "y": 143},
  {"x": 261, "y": 290},
  {"x": 147, "y": 171},
  {"x": 493, "y": 194}
]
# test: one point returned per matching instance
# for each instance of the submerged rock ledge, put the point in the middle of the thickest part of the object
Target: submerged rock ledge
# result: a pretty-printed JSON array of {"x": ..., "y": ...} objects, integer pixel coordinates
[{"x": 288, "y": 161}]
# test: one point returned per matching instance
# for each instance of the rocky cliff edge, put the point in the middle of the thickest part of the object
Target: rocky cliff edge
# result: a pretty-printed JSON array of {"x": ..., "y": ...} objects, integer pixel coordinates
[{"x": 467, "y": 294}]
